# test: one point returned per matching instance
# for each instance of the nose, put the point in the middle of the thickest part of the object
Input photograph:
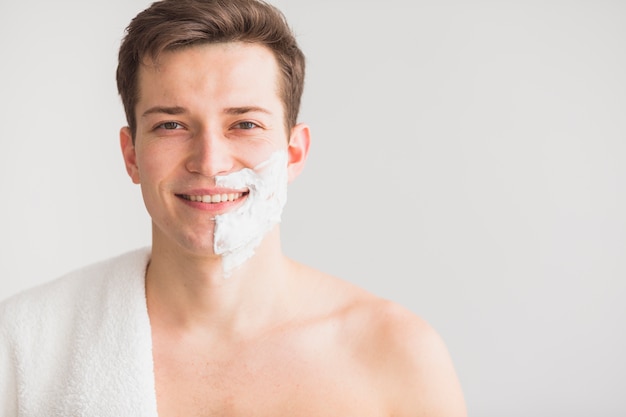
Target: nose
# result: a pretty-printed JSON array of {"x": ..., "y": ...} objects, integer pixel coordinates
[{"x": 209, "y": 154}]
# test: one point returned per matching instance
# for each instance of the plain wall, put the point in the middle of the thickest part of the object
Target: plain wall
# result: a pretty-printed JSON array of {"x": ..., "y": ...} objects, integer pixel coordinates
[{"x": 467, "y": 162}]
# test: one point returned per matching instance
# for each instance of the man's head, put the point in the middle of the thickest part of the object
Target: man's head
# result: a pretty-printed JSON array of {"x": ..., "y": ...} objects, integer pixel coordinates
[{"x": 173, "y": 24}]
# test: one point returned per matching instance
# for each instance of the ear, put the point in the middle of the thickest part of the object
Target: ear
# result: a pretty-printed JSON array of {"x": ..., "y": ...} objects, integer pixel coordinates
[
  {"x": 298, "y": 149},
  {"x": 129, "y": 154}
]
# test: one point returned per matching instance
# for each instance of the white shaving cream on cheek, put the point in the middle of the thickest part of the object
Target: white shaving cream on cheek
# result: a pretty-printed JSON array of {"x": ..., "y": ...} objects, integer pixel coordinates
[{"x": 238, "y": 233}]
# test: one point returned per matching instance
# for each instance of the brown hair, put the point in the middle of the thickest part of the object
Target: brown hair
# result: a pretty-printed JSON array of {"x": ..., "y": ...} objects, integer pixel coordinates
[{"x": 171, "y": 24}]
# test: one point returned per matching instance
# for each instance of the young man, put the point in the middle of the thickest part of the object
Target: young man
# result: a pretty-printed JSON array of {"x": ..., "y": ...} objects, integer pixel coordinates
[{"x": 213, "y": 319}]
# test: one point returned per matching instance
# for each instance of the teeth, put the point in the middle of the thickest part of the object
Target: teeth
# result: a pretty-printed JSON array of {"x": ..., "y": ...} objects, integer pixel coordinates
[{"x": 215, "y": 198}]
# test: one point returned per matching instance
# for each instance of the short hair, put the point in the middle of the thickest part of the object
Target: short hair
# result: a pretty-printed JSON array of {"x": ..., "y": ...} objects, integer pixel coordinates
[{"x": 173, "y": 24}]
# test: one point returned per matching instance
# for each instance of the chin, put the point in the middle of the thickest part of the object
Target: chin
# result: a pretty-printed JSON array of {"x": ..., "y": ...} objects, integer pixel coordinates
[{"x": 194, "y": 243}]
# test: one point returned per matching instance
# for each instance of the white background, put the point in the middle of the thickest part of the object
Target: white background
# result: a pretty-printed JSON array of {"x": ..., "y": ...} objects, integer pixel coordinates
[{"x": 468, "y": 163}]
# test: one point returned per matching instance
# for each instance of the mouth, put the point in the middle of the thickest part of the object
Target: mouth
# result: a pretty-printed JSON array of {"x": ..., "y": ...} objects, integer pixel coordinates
[{"x": 213, "y": 198}]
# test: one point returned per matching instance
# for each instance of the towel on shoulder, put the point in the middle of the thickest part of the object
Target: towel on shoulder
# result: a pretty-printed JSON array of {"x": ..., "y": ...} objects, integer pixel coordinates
[{"x": 80, "y": 345}]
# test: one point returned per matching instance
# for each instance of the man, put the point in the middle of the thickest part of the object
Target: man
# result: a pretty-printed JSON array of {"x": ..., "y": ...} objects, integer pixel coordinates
[{"x": 213, "y": 319}]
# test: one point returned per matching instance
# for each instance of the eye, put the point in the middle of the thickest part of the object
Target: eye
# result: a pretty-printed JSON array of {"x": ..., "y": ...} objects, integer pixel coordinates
[
  {"x": 169, "y": 126},
  {"x": 246, "y": 125}
]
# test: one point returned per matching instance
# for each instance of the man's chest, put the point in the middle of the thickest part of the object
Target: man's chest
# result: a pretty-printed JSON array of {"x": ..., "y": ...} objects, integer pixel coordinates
[{"x": 273, "y": 383}]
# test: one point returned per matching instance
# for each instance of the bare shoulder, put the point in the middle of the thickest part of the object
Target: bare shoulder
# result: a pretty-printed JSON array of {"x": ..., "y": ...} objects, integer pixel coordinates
[
  {"x": 403, "y": 357},
  {"x": 410, "y": 359},
  {"x": 401, "y": 353}
]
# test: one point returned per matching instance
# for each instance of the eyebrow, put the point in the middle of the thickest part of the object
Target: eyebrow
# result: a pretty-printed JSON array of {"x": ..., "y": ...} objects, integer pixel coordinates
[
  {"x": 235, "y": 111},
  {"x": 165, "y": 110},
  {"x": 175, "y": 110}
]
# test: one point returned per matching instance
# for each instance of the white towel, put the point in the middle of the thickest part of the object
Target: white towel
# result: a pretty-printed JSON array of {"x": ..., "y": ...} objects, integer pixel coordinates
[{"x": 80, "y": 345}]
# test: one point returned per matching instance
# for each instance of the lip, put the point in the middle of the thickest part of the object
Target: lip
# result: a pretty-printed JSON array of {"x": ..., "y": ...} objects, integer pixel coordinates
[{"x": 215, "y": 207}]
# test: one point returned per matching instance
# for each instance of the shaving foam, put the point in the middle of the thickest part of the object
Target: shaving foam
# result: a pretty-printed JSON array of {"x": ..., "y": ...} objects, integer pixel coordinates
[{"x": 239, "y": 233}]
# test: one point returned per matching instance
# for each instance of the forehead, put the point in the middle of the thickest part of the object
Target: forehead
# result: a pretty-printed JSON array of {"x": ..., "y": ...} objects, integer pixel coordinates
[{"x": 235, "y": 71}]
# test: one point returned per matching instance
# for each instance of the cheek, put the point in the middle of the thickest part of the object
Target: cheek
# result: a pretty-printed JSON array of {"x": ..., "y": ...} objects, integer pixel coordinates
[
  {"x": 154, "y": 167},
  {"x": 254, "y": 152},
  {"x": 155, "y": 163}
]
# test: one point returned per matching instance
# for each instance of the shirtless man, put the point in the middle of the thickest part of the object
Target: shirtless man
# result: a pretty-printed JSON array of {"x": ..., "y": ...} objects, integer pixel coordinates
[{"x": 211, "y": 90}]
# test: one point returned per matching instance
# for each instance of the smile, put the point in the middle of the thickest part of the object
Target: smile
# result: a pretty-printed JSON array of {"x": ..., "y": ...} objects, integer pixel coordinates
[{"x": 213, "y": 198}]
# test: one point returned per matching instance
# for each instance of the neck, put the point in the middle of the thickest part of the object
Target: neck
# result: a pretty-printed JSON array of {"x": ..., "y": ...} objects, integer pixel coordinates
[{"x": 189, "y": 291}]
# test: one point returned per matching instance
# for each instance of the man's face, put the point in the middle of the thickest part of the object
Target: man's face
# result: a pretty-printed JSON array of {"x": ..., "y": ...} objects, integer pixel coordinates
[{"x": 203, "y": 111}]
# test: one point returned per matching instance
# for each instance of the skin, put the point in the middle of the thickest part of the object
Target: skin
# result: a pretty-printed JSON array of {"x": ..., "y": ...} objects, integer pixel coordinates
[{"x": 276, "y": 338}]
